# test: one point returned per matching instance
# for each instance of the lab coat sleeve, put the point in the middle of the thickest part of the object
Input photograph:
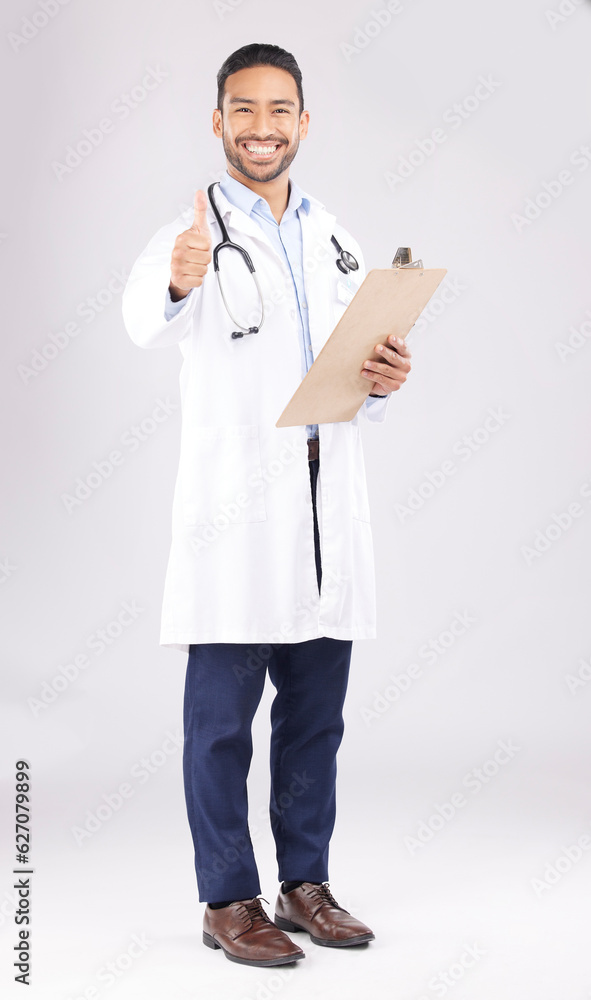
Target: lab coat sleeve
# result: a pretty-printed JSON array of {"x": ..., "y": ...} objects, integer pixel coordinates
[
  {"x": 146, "y": 295},
  {"x": 375, "y": 409},
  {"x": 172, "y": 308}
]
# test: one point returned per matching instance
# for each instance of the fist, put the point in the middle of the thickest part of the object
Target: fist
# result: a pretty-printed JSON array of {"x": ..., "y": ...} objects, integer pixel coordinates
[{"x": 192, "y": 252}]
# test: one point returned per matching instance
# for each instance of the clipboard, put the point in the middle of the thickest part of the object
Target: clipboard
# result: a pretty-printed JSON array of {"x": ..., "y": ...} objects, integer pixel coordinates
[{"x": 388, "y": 301}]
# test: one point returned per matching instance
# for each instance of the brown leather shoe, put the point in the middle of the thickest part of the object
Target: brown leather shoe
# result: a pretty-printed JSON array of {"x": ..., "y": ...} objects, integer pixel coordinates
[
  {"x": 313, "y": 908},
  {"x": 247, "y": 935}
]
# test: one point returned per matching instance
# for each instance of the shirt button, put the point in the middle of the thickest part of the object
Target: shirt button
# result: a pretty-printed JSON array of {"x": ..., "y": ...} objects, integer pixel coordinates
[{"x": 305, "y": 305}]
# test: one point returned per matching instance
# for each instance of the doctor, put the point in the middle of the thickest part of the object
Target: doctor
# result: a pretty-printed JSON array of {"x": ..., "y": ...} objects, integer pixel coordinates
[{"x": 271, "y": 562}]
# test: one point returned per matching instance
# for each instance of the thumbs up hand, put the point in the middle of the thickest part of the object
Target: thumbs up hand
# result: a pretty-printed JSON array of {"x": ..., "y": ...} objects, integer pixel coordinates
[
  {"x": 192, "y": 253},
  {"x": 200, "y": 214}
]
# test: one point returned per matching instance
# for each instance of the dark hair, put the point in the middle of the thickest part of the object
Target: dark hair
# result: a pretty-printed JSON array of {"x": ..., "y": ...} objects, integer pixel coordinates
[{"x": 257, "y": 54}]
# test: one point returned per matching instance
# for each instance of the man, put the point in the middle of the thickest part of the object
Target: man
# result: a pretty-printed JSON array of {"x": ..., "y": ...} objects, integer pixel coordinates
[{"x": 271, "y": 563}]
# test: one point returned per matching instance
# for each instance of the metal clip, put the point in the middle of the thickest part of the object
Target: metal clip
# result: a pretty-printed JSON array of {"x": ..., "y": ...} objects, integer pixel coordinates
[{"x": 403, "y": 258}]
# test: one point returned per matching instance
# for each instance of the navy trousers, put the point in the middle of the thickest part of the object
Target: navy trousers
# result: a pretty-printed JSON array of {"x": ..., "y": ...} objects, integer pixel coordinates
[{"x": 223, "y": 687}]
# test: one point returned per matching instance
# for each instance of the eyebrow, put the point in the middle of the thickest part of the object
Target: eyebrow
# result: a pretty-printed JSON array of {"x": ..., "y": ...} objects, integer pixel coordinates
[{"x": 247, "y": 100}]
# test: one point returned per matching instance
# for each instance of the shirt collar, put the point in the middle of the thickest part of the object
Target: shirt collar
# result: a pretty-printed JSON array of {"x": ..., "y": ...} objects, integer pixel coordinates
[{"x": 246, "y": 199}]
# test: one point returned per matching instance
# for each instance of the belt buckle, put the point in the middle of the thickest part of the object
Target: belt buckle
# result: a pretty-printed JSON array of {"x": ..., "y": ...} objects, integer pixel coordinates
[{"x": 313, "y": 449}]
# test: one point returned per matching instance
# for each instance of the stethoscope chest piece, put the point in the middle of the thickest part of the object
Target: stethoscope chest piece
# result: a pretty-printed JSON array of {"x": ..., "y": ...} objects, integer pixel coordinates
[{"x": 345, "y": 261}]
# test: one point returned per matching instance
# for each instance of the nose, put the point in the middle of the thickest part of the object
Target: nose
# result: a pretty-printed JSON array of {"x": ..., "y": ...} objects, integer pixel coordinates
[{"x": 263, "y": 124}]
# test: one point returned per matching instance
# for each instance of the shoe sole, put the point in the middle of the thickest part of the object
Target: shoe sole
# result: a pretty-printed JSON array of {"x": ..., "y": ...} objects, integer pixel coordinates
[
  {"x": 287, "y": 925},
  {"x": 263, "y": 962}
]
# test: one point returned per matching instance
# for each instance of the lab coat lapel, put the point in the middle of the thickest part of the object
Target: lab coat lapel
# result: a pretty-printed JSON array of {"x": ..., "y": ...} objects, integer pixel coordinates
[
  {"x": 237, "y": 219},
  {"x": 317, "y": 225},
  {"x": 318, "y": 258}
]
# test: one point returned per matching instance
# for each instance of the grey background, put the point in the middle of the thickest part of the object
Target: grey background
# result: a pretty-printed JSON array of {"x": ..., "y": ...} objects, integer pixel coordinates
[{"x": 518, "y": 294}]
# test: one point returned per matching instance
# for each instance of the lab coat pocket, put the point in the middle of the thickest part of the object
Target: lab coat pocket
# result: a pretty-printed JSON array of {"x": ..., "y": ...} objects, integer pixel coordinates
[
  {"x": 343, "y": 291},
  {"x": 222, "y": 480}
]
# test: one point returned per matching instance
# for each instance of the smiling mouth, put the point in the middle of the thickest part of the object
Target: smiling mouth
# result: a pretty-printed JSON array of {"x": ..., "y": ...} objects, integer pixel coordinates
[{"x": 261, "y": 150}]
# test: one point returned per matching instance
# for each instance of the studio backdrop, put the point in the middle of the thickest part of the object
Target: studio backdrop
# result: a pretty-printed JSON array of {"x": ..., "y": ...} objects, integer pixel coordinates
[{"x": 463, "y": 832}]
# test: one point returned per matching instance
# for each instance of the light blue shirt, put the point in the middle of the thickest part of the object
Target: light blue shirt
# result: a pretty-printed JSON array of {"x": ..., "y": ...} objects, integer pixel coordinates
[{"x": 286, "y": 238}]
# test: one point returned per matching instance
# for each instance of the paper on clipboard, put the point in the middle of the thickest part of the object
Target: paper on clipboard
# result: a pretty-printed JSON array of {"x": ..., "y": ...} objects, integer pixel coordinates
[{"x": 389, "y": 301}]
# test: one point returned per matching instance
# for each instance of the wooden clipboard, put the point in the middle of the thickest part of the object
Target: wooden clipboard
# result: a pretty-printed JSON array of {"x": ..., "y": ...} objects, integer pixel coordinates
[{"x": 389, "y": 300}]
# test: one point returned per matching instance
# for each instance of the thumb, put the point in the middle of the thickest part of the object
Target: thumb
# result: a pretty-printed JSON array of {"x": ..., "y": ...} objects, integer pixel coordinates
[{"x": 200, "y": 219}]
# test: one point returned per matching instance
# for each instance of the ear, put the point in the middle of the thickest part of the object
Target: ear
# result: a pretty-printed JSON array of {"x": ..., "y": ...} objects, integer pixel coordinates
[
  {"x": 304, "y": 122},
  {"x": 217, "y": 123}
]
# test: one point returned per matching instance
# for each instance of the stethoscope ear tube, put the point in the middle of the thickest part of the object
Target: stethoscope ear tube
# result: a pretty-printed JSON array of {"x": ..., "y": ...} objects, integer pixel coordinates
[
  {"x": 245, "y": 329},
  {"x": 217, "y": 214},
  {"x": 345, "y": 262},
  {"x": 226, "y": 243},
  {"x": 232, "y": 246}
]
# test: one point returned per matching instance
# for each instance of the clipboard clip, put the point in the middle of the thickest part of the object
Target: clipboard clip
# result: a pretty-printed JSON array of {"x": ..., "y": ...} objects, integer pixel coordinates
[{"x": 403, "y": 258}]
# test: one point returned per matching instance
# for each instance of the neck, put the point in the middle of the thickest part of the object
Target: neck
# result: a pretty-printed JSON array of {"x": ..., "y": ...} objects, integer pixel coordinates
[{"x": 275, "y": 192}]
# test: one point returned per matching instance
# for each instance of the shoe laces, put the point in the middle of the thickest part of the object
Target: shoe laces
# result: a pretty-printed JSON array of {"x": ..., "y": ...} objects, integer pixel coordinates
[
  {"x": 252, "y": 909},
  {"x": 322, "y": 894}
]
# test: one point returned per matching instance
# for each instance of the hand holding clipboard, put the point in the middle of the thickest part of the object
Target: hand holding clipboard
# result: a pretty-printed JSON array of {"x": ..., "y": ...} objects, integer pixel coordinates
[{"x": 385, "y": 306}]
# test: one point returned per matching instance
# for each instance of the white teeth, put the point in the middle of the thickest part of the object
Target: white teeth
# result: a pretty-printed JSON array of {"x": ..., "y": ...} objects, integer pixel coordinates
[{"x": 261, "y": 150}]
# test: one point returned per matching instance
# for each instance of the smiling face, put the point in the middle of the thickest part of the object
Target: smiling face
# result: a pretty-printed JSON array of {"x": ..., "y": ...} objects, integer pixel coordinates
[{"x": 261, "y": 125}]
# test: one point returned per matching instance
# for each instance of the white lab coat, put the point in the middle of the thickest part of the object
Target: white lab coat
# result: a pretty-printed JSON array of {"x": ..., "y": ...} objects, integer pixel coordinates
[{"x": 241, "y": 565}]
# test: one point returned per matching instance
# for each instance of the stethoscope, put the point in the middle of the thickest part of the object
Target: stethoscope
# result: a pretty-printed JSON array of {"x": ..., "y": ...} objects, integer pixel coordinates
[{"x": 345, "y": 262}]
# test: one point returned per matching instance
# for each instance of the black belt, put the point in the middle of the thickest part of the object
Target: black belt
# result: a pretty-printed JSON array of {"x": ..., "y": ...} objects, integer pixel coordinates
[{"x": 313, "y": 449}]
